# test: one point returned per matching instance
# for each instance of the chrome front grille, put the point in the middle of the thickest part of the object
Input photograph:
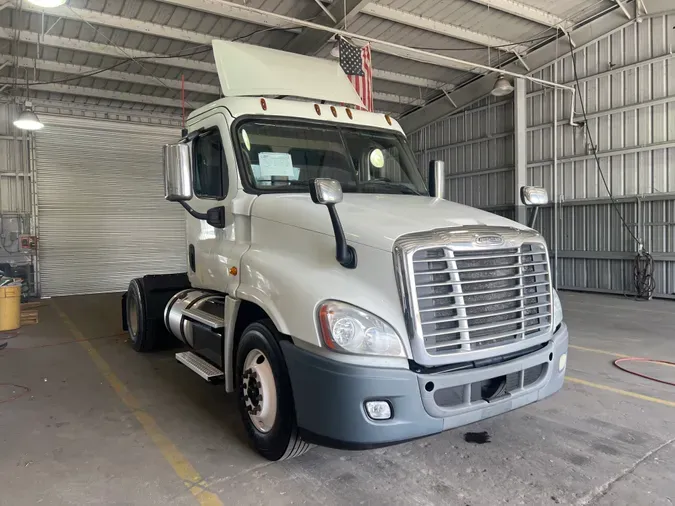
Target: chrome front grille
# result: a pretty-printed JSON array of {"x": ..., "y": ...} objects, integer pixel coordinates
[{"x": 475, "y": 299}]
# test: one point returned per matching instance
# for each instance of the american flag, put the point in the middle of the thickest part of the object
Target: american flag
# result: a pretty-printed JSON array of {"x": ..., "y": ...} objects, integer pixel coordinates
[{"x": 357, "y": 64}]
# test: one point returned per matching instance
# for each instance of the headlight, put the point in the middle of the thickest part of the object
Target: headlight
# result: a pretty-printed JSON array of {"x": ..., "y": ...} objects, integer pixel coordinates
[
  {"x": 348, "y": 329},
  {"x": 557, "y": 310}
]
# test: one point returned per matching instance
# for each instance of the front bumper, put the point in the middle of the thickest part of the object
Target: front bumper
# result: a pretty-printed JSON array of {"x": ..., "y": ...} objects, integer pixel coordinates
[{"x": 329, "y": 395}]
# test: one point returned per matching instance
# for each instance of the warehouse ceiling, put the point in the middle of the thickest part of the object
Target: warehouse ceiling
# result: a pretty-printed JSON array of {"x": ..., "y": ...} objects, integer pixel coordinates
[{"x": 134, "y": 54}]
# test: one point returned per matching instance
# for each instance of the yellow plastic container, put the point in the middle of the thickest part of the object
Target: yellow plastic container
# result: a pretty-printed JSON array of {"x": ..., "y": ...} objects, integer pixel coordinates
[{"x": 10, "y": 307}]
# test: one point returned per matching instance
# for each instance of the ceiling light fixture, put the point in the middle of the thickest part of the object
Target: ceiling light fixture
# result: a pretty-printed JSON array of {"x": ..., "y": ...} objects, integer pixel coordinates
[
  {"x": 502, "y": 87},
  {"x": 28, "y": 120},
  {"x": 47, "y": 4},
  {"x": 335, "y": 50}
]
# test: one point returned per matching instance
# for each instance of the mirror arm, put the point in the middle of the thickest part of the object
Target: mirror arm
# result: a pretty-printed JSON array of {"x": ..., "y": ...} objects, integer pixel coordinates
[
  {"x": 189, "y": 137},
  {"x": 192, "y": 212},
  {"x": 344, "y": 254},
  {"x": 533, "y": 217},
  {"x": 214, "y": 216}
]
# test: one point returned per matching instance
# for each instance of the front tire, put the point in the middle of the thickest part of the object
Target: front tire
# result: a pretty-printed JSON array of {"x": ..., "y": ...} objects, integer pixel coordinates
[{"x": 265, "y": 398}]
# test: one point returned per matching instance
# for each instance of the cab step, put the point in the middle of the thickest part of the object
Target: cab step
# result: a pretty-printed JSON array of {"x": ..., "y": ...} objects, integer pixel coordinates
[
  {"x": 211, "y": 321},
  {"x": 200, "y": 366}
]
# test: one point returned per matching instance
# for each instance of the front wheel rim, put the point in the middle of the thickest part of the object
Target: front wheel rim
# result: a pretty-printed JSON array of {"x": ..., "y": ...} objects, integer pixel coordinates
[{"x": 259, "y": 391}]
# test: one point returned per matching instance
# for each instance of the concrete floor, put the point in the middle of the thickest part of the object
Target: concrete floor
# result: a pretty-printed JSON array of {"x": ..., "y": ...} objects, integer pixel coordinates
[{"x": 105, "y": 425}]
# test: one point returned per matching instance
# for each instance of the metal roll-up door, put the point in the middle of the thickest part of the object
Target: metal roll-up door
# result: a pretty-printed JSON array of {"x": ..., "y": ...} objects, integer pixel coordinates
[{"x": 102, "y": 215}]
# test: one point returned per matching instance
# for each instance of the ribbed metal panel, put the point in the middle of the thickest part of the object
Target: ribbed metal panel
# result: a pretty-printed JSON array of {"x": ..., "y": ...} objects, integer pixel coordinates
[
  {"x": 103, "y": 219},
  {"x": 628, "y": 85},
  {"x": 477, "y": 147}
]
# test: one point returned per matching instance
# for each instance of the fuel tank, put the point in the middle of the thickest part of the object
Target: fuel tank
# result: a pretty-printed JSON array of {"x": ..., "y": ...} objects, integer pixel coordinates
[{"x": 178, "y": 325}]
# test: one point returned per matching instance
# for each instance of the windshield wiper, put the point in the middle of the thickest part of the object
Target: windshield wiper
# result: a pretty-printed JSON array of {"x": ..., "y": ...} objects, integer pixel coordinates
[{"x": 402, "y": 187}]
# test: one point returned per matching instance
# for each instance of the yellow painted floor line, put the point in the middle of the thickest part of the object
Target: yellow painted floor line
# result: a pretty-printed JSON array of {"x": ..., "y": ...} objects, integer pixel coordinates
[
  {"x": 620, "y": 392},
  {"x": 181, "y": 466},
  {"x": 595, "y": 350},
  {"x": 611, "y": 353}
]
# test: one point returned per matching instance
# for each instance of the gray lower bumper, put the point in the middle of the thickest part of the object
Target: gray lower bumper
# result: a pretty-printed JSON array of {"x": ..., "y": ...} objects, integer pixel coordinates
[{"x": 329, "y": 395}]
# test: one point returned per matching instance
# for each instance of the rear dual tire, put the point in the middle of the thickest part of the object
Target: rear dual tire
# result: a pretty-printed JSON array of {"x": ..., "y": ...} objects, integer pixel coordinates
[
  {"x": 143, "y": 337},
  {"x": 264, "y": 394}
]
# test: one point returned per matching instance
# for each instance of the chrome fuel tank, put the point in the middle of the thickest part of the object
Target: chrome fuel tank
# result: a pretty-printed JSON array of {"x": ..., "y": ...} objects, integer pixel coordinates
[{"x": 177, "y": 324}]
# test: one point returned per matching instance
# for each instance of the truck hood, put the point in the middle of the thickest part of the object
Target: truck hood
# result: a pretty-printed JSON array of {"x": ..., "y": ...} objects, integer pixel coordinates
[{"x": 373, "y": 219}]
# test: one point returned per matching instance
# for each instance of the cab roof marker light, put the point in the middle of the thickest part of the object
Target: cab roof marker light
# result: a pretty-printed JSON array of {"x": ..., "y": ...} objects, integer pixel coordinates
[{"x": 263, "y": 104}]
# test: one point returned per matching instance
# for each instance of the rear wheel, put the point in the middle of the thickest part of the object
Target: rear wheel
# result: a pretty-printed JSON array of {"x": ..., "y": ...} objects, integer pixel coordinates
[
  {"x": 264, "y": 394},
  {"x": 142, "y": 336}
]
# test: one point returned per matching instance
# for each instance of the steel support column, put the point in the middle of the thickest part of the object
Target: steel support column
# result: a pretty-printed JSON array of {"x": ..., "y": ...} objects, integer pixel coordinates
[{"x": 520, "y": 145}]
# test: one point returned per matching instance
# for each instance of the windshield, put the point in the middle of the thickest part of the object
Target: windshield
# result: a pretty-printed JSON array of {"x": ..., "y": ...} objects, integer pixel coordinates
[{"x": 283, "y": 156}]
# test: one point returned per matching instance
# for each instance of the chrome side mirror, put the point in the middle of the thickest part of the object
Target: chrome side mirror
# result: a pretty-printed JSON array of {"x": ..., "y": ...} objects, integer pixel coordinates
[
  {"x": 178, "y": 171},
  {"x": 325, "y": 191},
  {"x": 533, "y": 196},
  {"x": 437, "y": 179}
]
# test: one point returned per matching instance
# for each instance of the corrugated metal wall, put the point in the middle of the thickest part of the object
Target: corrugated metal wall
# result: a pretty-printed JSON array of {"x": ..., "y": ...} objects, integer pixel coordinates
[
  {"x": 16, "y": 200},
  {"x": 628, "y": 87},
  {"x": 477, "y": 147}
]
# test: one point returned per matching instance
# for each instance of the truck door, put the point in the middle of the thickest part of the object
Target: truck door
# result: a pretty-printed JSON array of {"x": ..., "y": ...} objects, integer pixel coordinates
[{"x": 214, "y": 184}]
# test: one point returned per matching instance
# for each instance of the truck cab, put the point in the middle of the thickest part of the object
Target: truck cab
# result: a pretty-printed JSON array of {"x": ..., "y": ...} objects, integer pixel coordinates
[{"x": 326, "y": 287}]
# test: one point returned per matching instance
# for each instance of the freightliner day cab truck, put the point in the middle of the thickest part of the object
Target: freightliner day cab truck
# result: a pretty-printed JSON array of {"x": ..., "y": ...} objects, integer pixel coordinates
[{"x": 342, "y": 303}]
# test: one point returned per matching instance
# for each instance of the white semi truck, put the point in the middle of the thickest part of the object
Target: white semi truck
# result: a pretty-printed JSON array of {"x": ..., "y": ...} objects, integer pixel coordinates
[{"x": 344, "y": 304}]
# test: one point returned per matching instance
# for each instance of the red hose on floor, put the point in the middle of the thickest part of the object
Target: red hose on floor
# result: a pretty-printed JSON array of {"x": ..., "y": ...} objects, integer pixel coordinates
[{"x": 638, "y": 359}]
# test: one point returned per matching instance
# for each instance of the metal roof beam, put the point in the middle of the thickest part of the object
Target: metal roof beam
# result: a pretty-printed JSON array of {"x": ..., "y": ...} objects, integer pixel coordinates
[
  {"x": 310, "y": 41},
  {"x": 431, "y": 25},
  {"x": 171, "y": 118},
  {"x": 420, "y": 82},
  {"x": 68, "y": 68},
  {"x": 585, "y": 35},
  {"x": 103, "y": 19},
  {"x": 233, "y": 11},
  {"x": 114, "y": 75},
  {"x": 425, "y": 57},
  {"x": 105, "y": 94},
  {"x": 527, "y": 12},
  {"x": 622, "y": 6},
  {"x": 105, "y": 50},
  {"x": 184, "y": 63},
  {"x": 397, "y": 99},
  {"x": 122, "y": 23}
]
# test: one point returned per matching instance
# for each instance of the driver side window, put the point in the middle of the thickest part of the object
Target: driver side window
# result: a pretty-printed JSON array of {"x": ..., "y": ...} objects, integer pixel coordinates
[{"x": 210, "y": 168}]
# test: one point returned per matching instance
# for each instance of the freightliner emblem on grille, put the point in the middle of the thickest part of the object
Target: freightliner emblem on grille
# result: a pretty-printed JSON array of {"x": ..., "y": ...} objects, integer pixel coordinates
[{"x": 488, "y": 240}]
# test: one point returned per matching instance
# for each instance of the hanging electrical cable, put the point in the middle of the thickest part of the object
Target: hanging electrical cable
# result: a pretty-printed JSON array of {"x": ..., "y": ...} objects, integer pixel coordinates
[{"x": 643, "y": 263}]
